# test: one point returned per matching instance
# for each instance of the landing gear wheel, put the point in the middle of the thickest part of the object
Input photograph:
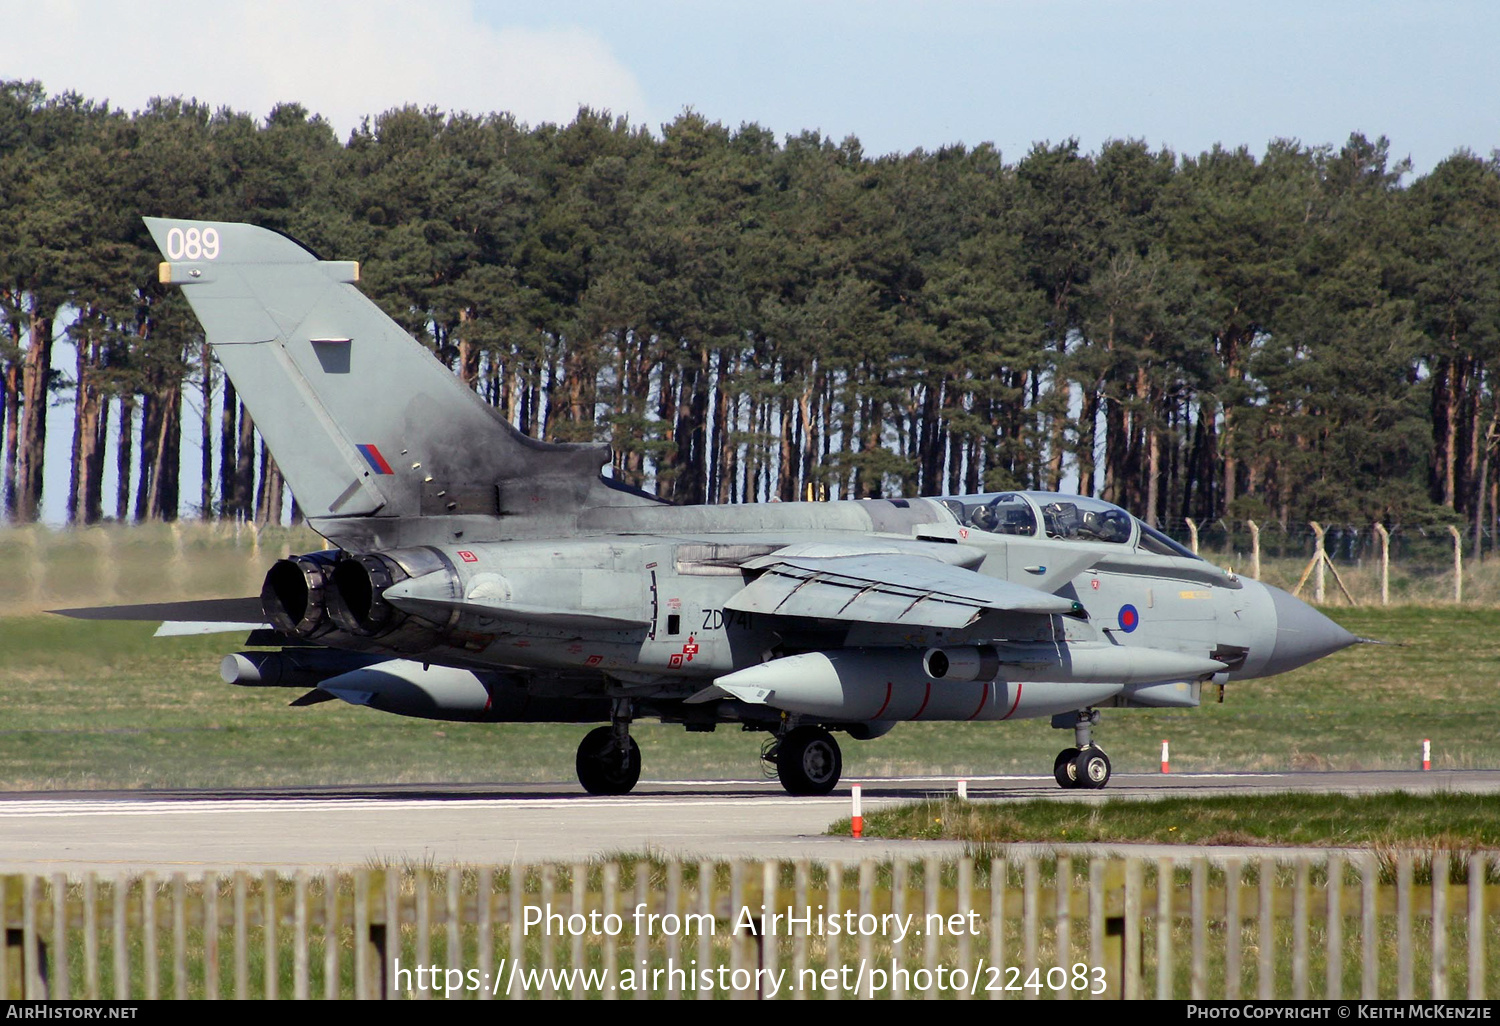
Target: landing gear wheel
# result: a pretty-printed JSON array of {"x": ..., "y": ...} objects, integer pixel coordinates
[
  {"x": 1091, "y": 768},
  {"x": 1062, "y": 768},
  {"x": 808, "y": 761},
  {"x": 601, "y": 767}
]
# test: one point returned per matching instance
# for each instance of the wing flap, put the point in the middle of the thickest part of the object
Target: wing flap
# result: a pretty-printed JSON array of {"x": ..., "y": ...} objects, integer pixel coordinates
[{"x": 885, "y": 588}]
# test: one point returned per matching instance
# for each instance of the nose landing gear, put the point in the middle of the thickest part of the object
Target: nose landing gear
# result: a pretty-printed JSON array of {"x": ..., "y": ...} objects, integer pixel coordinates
[
  {"x": 1085, "y": 765},
  {"x": 609, "y": 760}
]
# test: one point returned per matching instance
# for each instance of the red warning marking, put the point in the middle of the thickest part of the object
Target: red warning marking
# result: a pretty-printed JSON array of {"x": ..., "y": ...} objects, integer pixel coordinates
[
  {"x": 691, "y": 648},
  {"x": 675, "y": 660},
  {"x": 885, "y": 703},
  {"x": 467, "y": 556},
  {"x": 925, "y": 699},
  {"x": 1013, "y": 704},
  {"x": 984, "y": 700},
  {"x": 593, "y": 660},
  {"x": 1094, "y": 584}
]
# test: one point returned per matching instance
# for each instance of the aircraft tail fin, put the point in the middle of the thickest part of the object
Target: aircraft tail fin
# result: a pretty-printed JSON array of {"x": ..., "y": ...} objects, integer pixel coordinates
[{"x": 362, "y": 419}]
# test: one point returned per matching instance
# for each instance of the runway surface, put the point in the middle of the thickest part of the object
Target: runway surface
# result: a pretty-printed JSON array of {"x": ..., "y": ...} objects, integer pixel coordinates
[{"x": 441, "y": 824}]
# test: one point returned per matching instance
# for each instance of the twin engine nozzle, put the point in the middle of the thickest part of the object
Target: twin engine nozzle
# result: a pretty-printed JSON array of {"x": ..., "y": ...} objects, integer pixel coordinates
[{"x": 309, "y": 595}]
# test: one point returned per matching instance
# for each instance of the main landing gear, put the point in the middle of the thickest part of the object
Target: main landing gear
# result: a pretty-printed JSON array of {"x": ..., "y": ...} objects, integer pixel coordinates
[
  {"x": 1084, "y": 765},
  {"x": 609, "y": 760},
  {"x": 807, "y": 758},
  {"x": 808, "y": 761}
]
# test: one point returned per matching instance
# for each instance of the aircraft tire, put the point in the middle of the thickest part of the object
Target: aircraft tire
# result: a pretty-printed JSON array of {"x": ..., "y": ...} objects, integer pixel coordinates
[
  {"x": 809, "y": 762},
  {"x": 598, "y": 764},
  {"x": 1091, "y": 768},
  {"x": 1062, "y": 768}
]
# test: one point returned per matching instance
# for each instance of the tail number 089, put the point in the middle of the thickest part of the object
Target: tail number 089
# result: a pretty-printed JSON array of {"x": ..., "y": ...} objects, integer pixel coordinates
[{"x": 192, "y": 244}]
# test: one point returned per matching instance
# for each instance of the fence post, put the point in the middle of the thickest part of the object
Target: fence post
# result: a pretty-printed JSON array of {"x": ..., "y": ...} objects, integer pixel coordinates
[
  {"x": 1192, "y": 534},
  {"x": 33, "y": 951},
  {"x": 1166, "y": 885},
  {"x": 1476, "y": 919},
  {"x": 1439, "y": 963},
  {"x": 1334, "y": 894},
  {"x": 1385, "y": 564},
  {"x": 1320, "y": 557},
  {"x": 1132, "y": 985},
  {"x": 1233, "y": 930},
  {"x": 1254, "y": 548},
  {"x": 1458, "y": 564},
  {"x": 1405, "y": 967}
]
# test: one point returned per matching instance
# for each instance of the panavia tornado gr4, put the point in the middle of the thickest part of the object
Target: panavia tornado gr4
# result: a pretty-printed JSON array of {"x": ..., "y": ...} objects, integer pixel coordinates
[{"x": 478, "y": 574}]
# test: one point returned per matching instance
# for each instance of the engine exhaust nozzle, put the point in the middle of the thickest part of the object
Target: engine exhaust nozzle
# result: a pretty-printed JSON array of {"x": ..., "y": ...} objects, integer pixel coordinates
[{"x": 294, "y": 595}]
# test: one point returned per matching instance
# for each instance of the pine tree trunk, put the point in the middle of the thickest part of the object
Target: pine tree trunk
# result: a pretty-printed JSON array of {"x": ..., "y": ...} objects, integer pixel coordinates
[
  {"x": 88, "y": 409},
  {"x": 468, "y": 352},
  {"x": 150, "y": 438},
  {"x": 244, "y": 467},
  {"x": 260, "y": 488},
  {"x": 30, "y": 469},
  {"x": 228, "y": 457},
  {"x": 786, "y": 482},
  {"x": 93, "y": 491},
  {"x": 124, "y": 457},
  {"x": 269, "y": 497},
  {"x": 1087, "y": 429},
  {"x": 8, "y": 456},
  {"x": 168, "y": 475}
]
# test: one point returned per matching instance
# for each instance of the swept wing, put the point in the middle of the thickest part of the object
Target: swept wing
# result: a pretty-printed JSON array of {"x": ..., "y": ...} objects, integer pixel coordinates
[{"x": 884, "y": 588}]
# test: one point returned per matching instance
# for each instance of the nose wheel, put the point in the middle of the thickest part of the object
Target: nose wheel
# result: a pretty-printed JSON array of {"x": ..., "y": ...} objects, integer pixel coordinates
[
  {"x": 609, "y": 760},
  {"x": 604, "y": 767},
  {"x": 1085, "y": 765}
]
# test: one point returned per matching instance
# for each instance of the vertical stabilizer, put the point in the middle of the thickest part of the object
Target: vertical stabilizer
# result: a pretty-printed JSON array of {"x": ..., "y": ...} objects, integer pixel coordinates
[{"x": 362, "y": 419}]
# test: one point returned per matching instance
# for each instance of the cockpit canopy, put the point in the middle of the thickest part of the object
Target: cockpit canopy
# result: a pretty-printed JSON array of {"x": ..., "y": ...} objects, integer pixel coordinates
[{"x": 1058, "y": 516}]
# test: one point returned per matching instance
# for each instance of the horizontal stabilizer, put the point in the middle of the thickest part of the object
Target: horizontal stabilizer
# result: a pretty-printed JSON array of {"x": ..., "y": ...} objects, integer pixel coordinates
[{"x": 239, "y": 612}]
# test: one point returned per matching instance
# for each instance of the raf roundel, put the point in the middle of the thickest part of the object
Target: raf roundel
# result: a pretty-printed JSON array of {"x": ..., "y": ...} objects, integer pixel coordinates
[{"x": 1130, "y": 618}]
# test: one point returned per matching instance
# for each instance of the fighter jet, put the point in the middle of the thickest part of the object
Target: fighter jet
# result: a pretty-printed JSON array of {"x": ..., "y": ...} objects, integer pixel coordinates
[{"x": 479, "y": 574}]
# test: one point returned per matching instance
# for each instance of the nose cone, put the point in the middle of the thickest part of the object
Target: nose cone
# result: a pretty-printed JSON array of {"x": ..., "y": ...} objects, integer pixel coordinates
[{"x": 1302, "y": 634}]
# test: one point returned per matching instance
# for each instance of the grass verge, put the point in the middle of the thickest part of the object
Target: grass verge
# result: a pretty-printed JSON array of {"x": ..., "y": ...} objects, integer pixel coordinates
[{"x": 1455, "y": 822}]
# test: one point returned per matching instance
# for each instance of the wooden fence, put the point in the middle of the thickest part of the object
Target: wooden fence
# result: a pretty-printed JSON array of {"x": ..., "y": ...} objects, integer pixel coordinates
[{"x": 1312, "y": 926}]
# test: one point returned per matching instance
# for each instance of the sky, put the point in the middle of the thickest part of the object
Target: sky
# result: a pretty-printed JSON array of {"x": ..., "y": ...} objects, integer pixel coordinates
[{"x": 1185, "y": 74}]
